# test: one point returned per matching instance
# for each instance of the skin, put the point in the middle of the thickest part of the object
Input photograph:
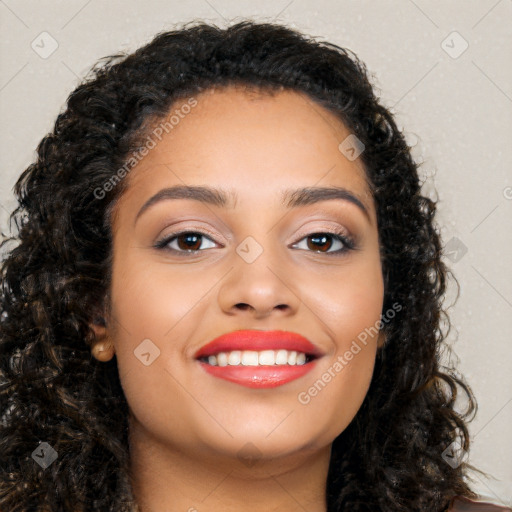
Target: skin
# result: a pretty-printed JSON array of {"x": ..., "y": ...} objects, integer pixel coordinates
[{"x": 186, "y": 426}]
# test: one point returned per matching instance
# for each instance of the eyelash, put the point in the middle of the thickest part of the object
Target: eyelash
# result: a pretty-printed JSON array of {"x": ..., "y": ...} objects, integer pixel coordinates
[{"x": 348, "y": 242}]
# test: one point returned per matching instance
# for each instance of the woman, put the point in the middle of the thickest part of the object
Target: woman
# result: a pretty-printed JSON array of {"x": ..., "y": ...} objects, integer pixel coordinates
[{"x": 227, "y": 293}]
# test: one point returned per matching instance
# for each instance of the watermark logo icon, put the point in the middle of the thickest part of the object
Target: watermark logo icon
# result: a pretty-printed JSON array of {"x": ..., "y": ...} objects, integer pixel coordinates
[
  {"x": 455, "y": 249},
  {"x": 454, "y": 45},
  {"x": 146, "y": 352},
  {"x": 454, "y": 454},
  {"x": 44, "y": 45},
  {"x": 249, "y": 249},
  {"x": 351, "y": 147},
  {"x": 249, "y": 454},
  {"x": 44, "y": 455}
]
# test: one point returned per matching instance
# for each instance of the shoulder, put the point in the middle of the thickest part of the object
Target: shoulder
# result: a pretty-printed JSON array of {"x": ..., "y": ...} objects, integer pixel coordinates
[{"x": 462, "y": 504}]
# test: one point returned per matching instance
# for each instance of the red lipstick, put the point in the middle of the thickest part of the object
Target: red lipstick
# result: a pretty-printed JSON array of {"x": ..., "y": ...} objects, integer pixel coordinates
[{"x": 261, "y": 375}]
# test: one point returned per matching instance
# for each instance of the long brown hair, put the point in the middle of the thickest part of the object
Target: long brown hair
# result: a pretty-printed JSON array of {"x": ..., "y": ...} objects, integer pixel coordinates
[{"x": 390, "y": 458}]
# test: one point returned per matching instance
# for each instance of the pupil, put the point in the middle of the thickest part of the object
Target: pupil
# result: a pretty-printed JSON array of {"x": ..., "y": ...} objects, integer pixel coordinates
[
  {"x": 187, "y": 246},
  {"x": 323, "y": 239}
]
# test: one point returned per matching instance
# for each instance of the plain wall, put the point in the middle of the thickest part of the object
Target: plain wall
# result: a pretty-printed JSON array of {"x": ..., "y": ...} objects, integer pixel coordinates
[{"x": 456, "y": 110}]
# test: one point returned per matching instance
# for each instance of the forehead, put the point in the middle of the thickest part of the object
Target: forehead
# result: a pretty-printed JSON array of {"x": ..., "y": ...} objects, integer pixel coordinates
[{"x": 247, "y": 141}]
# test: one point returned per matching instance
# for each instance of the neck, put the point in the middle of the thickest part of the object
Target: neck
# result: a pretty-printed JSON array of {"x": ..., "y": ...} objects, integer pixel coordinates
[{"x": 169, "y": 479}]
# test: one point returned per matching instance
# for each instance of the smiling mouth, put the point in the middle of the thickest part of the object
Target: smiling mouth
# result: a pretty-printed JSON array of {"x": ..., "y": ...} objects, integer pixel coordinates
[
  {"x": 267, "y": 358},
  {"x": 259, "y": 359}
]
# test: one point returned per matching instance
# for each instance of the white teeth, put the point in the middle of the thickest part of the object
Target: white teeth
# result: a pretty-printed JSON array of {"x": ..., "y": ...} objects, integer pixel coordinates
[
  {"x": 249, "y": 358},
  {"x": 282, "y": 357},
  {"x": 267, "y": 357},
  {"x": 253, "y": 358},
  {"x": 234, "y": 357}
]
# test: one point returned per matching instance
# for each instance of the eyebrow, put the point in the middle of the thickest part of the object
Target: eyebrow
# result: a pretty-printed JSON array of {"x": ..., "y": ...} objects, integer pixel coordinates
[{"x": 291, "y": 198}]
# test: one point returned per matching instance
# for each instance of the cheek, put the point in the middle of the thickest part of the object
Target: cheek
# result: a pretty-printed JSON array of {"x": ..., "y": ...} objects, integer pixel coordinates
[
  {"x": 150, "y": 300},
  {"x": 156, "y": 312},
  {"x": 352, "y": 316},
  {"x": 349, "y": 301},
  {"x": 337, "y": 390},
  {"x": 148, "y": 303}
]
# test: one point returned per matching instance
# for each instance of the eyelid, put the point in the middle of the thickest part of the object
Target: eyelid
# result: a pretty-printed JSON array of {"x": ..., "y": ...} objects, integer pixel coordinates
[
  {"x": 177, "y": 230},
  {"x": 334, "y": 229}
]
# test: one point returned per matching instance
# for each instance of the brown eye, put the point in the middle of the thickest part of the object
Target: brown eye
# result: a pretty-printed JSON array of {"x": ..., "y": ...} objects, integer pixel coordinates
[
  {"x": 189, "y": 241},
  {"x": 319, "y": 242},
  {"x": 324, "y": 242},
  {"x": 185, "y": 242}
]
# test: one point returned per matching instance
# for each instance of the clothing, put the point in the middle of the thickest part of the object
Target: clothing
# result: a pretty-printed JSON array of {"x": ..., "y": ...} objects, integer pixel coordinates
[{"x": 462, "y": 504}]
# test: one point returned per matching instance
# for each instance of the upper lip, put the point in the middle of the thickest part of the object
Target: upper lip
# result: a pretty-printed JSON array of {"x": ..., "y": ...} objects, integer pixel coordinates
[{"x": 258, "y": 340}]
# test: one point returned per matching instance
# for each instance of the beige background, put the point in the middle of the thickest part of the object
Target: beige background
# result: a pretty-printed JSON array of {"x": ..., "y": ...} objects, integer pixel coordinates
[{"x": 457, "y": 109}]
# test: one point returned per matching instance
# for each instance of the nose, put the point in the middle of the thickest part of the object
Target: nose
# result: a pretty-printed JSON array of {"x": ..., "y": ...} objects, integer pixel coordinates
[{"x": 259, "y": 289}]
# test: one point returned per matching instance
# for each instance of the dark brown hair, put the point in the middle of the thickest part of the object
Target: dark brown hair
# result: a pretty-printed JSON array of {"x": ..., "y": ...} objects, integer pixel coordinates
[{"x": 54, "y": 278}]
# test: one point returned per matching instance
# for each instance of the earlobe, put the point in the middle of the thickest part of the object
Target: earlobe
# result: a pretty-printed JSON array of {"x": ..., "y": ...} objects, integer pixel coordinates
[
  {"x": 103, "y": 350},
  {"x": 102, "y": 347}
]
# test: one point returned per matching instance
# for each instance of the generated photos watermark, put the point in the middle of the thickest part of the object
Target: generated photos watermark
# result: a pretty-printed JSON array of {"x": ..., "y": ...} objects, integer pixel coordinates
[
  {"x": 150, "y": 143},
  {"x": 305, "y": 397}
]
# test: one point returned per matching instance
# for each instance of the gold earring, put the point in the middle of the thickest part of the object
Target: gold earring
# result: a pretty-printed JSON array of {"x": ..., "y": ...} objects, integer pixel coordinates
[{"x": 103, "y": 351}]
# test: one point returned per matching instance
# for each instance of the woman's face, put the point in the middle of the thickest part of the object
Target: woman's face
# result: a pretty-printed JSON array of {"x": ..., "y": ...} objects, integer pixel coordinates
[{"x": 259, "y": 264}]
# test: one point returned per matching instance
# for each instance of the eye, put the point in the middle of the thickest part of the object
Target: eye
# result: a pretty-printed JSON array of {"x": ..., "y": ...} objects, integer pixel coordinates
[
  {"x": 317, "y": 242},
  {"x": 185, "y": 242}
]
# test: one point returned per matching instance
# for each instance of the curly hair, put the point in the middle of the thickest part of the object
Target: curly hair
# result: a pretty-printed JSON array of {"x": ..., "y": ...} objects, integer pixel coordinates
[{"x": 57, "y": 276}]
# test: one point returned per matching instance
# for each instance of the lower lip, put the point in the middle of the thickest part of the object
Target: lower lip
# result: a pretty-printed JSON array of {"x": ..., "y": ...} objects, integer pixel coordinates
[{"x": 259, "y": 376}]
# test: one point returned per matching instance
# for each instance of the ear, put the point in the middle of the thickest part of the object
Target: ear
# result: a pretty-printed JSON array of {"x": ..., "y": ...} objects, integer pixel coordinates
[{"x": 102, "y": 347}]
